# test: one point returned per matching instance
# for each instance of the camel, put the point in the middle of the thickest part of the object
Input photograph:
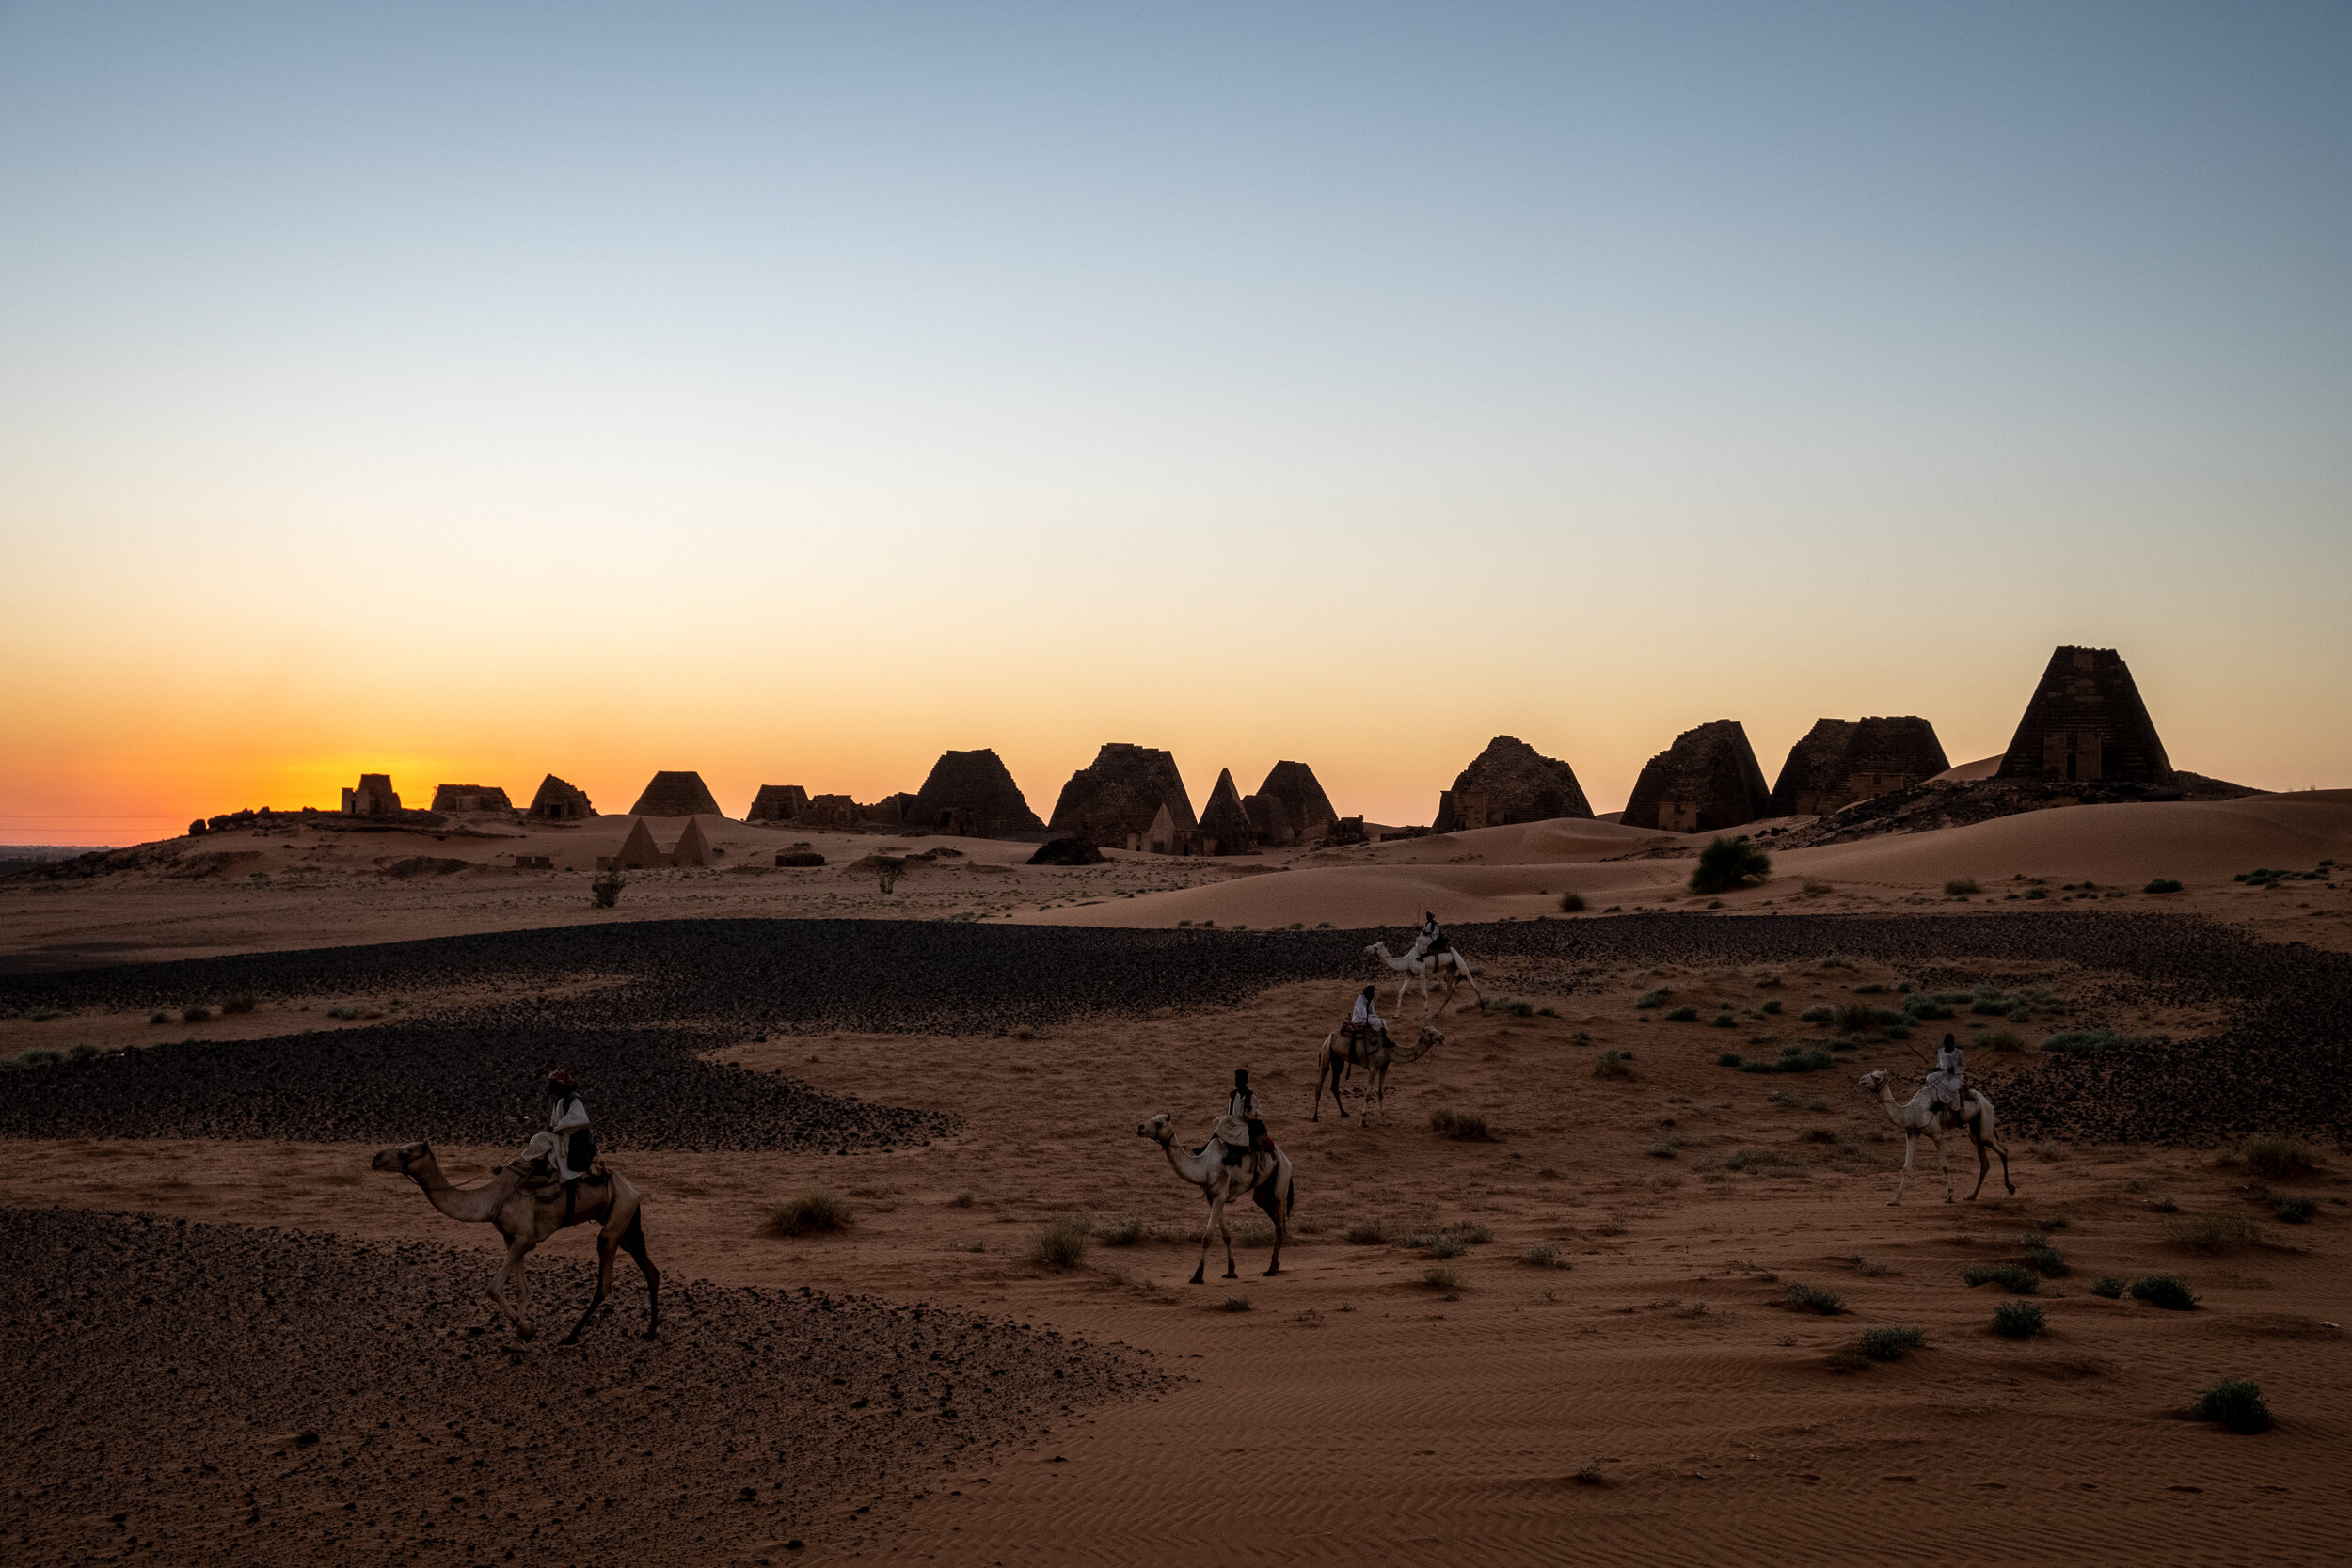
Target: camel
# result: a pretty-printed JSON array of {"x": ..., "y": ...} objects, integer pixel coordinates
[
  {"x": 527, "y": 1215},
  {"x": 1342, "y": 1051},
  {"x": 1921, "y": 1117},
  {"x": 1277, "y": 1192},
  {"x": 1450, "y": 966}
]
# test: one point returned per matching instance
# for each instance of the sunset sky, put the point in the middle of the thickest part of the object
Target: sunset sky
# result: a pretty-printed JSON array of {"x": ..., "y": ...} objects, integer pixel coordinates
[{"x": 791, "y": 392}]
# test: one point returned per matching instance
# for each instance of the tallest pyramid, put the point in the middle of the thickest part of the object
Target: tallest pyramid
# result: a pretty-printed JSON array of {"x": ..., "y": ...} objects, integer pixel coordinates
[{"x": 2086, "y": 721}]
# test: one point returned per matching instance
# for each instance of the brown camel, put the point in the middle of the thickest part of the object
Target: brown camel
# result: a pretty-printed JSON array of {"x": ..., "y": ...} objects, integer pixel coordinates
[
  {"x": 528, "y": 1213},
  {"x": 1342, "y": 1051}
]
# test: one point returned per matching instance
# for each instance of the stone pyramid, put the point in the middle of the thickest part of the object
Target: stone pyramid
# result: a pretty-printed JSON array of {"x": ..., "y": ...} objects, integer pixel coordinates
[
  {"x": 676, "y": 795},
  {"x": 777, "y": 804},
  {"x": 637, "y": 852},
  {"x": 1307, "y": 808},
  {"x": 1119, "y": 792},
  {"x": 693, "y": 849},
  {"x": 1706, "y": 781},
  {"x": 1270, "y": 820},
  {"x": 1510, "y": 781},
  {"x": 465, "y": 797},
  {"x": 1839, "y": 761},
  {"x": 2086, "y": 721},
  {"x": 1224, "y": 825},
  {"x": 558, "y": 801},
  {"x": 970, "y": 793}
]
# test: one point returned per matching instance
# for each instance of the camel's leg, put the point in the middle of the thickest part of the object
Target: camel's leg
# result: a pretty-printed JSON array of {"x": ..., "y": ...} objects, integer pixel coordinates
[
  {"x": 1225, "y": 1233},
  {"x": 1376, "y": 1083},
  {"x": 1462, "y": 968},
  {"x": 1280, "y": 1213},
  {"x": 634, "y": 1240},
  {"x": 1403, "y": 983},
  {"x": 1910, "y": 1141},
  {"x": 506, "y": 1285},
  {"x": 1984, "y": 1164},
  {"x": 606, "y": 1249},
  {"x": 1217, "y": 1218},
  {"x": 1943, "y": 1165}
]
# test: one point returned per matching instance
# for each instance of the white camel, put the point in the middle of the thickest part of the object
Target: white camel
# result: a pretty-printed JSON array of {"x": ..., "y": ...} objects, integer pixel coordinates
[
  {"x": 1451, "y": 968},
  {"x": 1342, "y": 1051},
  {"x": 526, "y": 1212},
  {"x": 1265, "y": 1176},
  {"x": 1921, "y": 1118}
]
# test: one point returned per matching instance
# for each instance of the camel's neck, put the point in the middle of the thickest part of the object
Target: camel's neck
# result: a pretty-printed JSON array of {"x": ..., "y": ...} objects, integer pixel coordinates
[
  {"x": 1194, "y": 1168},
  {"x": 472, "y": 1205}
]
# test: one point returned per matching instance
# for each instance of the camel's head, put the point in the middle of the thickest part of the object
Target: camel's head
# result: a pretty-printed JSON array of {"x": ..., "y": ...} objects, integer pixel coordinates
[
  {"x": 405, "y": 1160},
  {"x": 1430, "y": 1039},
  {"x": 1873, "y": 1081},
  {"x": 1159, "y": 1128}
]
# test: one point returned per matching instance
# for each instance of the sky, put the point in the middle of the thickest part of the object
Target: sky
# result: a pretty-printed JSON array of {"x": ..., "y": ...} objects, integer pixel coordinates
[{"x": 793, "y": 392}]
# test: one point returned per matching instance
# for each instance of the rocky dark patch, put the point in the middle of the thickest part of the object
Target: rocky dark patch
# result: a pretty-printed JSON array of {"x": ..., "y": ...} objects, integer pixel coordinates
[{"x": 212, "y": 1394}]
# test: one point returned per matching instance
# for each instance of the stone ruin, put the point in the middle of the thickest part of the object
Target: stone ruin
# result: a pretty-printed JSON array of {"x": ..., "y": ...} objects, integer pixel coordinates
[
  {"x": 693, "y": 848},
  {"x": 778, "y": 803},
  {"x": 971, "y": 795},
  {"x": 891, "y": 810},
  {"x": 1290, "y": 807},
  {"x": 676, "y": 795},
  {"x": 1120, "y": 793},
  {"x": 1706, "y": 781},
  {"x": 1509, "y": 781},
  {"x": 637, "y": 851},
  {"x": 1224, "y": 825},
  {"x": 2086, "y": 722},
  {"x": 373, "y": 798},
  {"x": 832, "y": 811},
  {"x": 1840, "y": 761},
  {"x": 558, "y": 801},
  {"x": 471, "y": 798}
]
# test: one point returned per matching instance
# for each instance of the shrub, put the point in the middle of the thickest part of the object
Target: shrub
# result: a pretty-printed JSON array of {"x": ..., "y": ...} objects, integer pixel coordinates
[
  {"x": 1365, "y": 1233},
  {"x": 1467, "y": 1233},
  {"x": 2162, "y": 884},
  {"x": 1613, "y": 1063},
  {"x": 1237, "y": 1304},
  {"x": 1665, "y": 1149},
  {"x": 1468, "y": 1126},
  {"x": 2276, "y": 1159},
  {"x": 1652, "y": 998},
  {"x": 1542, "y": 1256},
  {"x": 2164, "y": 1291},
  {"x": 1061, "y": 1243},
  {"x": 809, "y": 1213},
  {"x": 2108, "y": 1286},
  {"x": 1817, "y": 1014},
  {"x": 1571, "y": 903},
  {"x": 1589, "y": 1474},
  {"x": 1891, "y": 1343},
  {"x": 962, "y": 1200},
  {"x": 1856, "y": 1018},
  {"x": 1811, "y": 1298},
  {"x": 2012, "y": 1277},
  {"x": 2018, "y": 1320},
  {"x": 241, "y": 1002},
  {"x": 2048, "y": 1260},
  {"x": 1772, "y": 1008},
  {"x": 1996, "y": 1040},
  {"x": 1441, "y": 1279},
  {"x": 1724, "y": 1021},
  {"x": 606, "y": 889},
  {"x": 1919, "y": 1004},
  {"x": 1126, "y": 1230},
  {"x": 2291, "y": 1211},
  {"x": 1729, "y": 1058},
  {"x": 2079, "y": 1042},
  {"x": 1960, "y": 887},
  {"x": 2235, "y": 1404},
  {"x": 1728, "y": 863},
  {"x": 1683, "y": 1015},
  {"x": 2212, "y": 1233}
]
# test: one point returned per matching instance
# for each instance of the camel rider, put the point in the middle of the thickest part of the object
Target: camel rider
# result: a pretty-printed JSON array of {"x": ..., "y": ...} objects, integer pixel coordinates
[
  {"x": 1363, "y": 1024},
  {"x": 1432, "y": 939},
  {"x": 1948, "y": 1084},
  {"x": 1242, "y": 1104},
  {"x": 567, "y": 1119}
]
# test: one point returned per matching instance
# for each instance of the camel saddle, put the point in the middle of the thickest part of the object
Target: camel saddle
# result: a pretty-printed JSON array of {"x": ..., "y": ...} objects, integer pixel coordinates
[
  {"x": 1359, "y": 1037},
  {"x": 1233, "y": 1134}
]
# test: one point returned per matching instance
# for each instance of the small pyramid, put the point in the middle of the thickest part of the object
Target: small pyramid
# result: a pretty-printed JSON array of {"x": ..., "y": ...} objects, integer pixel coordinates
[
  {"x": 1305, "y": 807},
  {"x": 693, "y": 849},
  {"x": 777, "y": 804},
  {"x": 2086, "y": 721},
  {"x": 1225, "y": 827},
  {"x": 558, "y": 801},
  {"x": 676, "y": 795},
  {"x": 1706, "y": 781},
  {"x": 637, "y": 852}
]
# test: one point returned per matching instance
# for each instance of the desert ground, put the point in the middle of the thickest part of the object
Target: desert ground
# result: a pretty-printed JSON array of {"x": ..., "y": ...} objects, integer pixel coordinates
[{"x": 1539, "y": 1309}]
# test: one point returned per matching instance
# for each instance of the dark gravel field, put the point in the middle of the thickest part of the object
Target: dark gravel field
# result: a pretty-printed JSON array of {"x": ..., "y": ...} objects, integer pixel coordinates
[
  {"x": 208, "y": 1394},
  {"x": 2279, "y": 1064}
]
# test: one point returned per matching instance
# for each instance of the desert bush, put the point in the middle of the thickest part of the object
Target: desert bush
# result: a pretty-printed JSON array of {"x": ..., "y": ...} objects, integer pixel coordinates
[
  {"x": 1728, "y": 863},
  {"x": 1683, "y": 1015},
  {"x": 1366, "y": 1233},
  {"x": 1729, "y": 1058},
  {"x": 2166, "y": 1291},
  {"x": 1960, "y": 887},
  {"x": 1996, "y": 1040},
  {"x": 1571, "y": 903},
  {"x": 2108, "y": 1286},
  {"x": 1126, "y": 1230},
  {"x": 2079, "y": 1042},
  {"x": 1441, "y": 1279},
  {"x": 1652, "y": 998},
  {"x": 606, "y": 889},
  {"x": 159, "y": 1018},
  {"x": 2018, "y": 1320},
  {"x": 1613, "y": 1063},
  {"x": 1542, "y": 1256},
  {"x": 1855, "y": 1017},
  {"x": 240, "y": 1003},
  {"x": 1061, "y": 1243},
  {"x": 1665, "y": 1149},
  {"x": 1772, "y": 1008},
  {"x": 1814, "y": 887},
  {"x": 1443, "y": 1246},
  {"x": 1237, "y": 1304},
  {"x": 2012, "y": 1277},
  {"x": 812, "y": 1211},
  {"x": 1891, "y": 1343},
  {"x": 1589, "y": 1474},
  {"x": 2048, "y": 1261},
  {"x": 2212, "y": 1233},
  {"x": 1467, "y": 1126},
  {"x": 1762, "y": 1161},
  {"x": 2291, "y": 1211},
  {"x": 2276, "y": 1159},
  {"x": 1811, "y": 1298},
  {"x": 1724, "y": 1021},
  {"x": 1468, "y": 1232},
  {"x": 2162, "y": 884},
  {"x": 1919, "y": 1004},
  {"x": 1792, "y": 1058},
  {"x": 2037, "y": 892},
  {"x": 2235, "y": 1404},
  {"x": 962, "y": 1200}
]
